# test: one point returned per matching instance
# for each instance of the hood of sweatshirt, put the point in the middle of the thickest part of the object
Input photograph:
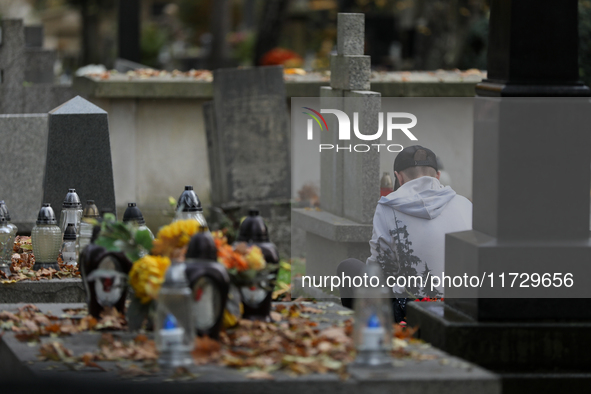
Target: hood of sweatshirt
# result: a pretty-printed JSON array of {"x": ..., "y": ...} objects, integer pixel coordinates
[{"x": 423, "y": 197}]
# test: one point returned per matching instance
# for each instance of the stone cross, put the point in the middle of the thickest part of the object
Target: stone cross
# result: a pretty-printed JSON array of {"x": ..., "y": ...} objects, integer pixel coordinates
[{"x": 349, "y": 181}]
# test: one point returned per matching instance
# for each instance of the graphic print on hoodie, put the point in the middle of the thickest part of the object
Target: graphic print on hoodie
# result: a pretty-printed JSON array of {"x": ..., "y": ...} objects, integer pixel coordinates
[{"x": 409, "y": 228}]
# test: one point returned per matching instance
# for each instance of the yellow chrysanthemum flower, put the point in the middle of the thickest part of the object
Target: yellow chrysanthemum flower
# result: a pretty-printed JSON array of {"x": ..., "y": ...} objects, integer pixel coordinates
[
  {"x": 255, "y": 259},
  {"x": 147, "y": 275},
  {"x": 176, "y": 235}
]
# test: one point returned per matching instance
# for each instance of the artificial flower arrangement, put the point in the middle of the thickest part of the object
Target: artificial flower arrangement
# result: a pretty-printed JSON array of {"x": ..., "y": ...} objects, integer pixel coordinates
[
  {"x": 151, "y": 258},
  {"x": 245, "y": 263}
]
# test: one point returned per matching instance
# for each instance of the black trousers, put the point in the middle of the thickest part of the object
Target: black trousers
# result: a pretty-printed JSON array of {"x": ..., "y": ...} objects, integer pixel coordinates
[{"x": 354, "y": 267}]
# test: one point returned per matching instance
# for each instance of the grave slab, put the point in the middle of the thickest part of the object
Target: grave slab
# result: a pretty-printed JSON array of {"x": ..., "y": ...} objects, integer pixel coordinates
[{"x": 442, "y": 374}]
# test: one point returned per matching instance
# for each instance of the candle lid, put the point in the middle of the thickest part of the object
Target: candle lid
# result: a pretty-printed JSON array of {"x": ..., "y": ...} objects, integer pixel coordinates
[
  {"x": 4, "y": 210},
  {"x": 46, "y": 215},
  {"x": 253, "y": 228},
  {"x": 70, "y": 233},
  {"x": 91, "y": 210},
  {"x": 72, "y": 200},
  {"x": 189, "y": 201},
  {"x": 133, "y": 213}
]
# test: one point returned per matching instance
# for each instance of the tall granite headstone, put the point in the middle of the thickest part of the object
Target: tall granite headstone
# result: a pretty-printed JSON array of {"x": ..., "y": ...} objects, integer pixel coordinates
[
  {"x": 79, "y": 155},
  {"x": 349, "y": 181},
  {"x": 22, "y": 166},
  {"x": 532, "y": 150}
]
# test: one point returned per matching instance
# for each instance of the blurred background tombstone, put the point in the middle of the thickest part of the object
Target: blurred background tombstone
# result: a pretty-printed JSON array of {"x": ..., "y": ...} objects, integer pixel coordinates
[{"x": 248, "y": 139}]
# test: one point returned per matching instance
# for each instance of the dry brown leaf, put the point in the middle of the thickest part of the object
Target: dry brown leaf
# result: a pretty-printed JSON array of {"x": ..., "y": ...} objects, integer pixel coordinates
[{"x": 260, "y": 375}]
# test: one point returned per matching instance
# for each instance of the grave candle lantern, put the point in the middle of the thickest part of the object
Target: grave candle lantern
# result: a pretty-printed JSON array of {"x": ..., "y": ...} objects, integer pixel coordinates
[
  {"x": 6, "y": 243},
  {"x": 90, "y": 213},
  {"x": 256, "y": 299},
  {"x": 70, "y": 246},
  {"x": 373, "y": 322},
  {"x": 71, "y": 211},
  {"x": 46, "y": 238},
  {"x": 189, "y": 207},
  {"x": 10, "y": 225},
  {"x": 174, "y": 328},
  {"x": 134, "y": 215},
  {"x": 209, "y": 282}
]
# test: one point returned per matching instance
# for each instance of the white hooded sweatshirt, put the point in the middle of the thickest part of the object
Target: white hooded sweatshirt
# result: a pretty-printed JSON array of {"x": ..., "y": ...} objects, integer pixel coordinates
[{"x": 409, "y": 229}]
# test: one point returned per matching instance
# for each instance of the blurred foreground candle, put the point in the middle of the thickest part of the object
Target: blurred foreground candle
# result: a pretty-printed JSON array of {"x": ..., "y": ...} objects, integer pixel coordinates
[
  {"x": 71, "y": 211},
  {"x": 46, "y": 238},
  {"x": 70, "y": 246},
  {"x": 6, "y": 242},
  {"x": 134, "y": 215},
  {"x": 209, "y": 282},
  {"x": 4, "y": 210},
  {"x": 257, "y": 298},
  {"x": 174, "y": 327},
  {"x": 189, "y": 207},
  {"x": 373, "y": 322}
]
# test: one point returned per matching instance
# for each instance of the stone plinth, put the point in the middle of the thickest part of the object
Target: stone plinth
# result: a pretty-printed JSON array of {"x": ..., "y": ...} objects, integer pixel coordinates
[
  {"x": 330, "y": 239},
  {"x": 530, "y": 357},
  {"x": 43, "y": 291}
]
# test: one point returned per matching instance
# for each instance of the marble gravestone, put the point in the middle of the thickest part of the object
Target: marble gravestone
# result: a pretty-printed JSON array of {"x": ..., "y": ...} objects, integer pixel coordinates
[{"x": 79, "y": 155}]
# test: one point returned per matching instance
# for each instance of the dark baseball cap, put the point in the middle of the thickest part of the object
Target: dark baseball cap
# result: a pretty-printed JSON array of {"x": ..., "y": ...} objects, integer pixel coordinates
[
  {"x": 409, "y": 157},
  {"x": 414, "y": 156}
]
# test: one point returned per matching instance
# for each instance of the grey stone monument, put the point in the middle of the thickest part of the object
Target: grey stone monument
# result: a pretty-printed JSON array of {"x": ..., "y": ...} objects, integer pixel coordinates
[
  {"x": 531, "y": 207},
  {"x": 26, "y": 71},
  {"x": 249, "y": 146},
  {"x": 79, "y": 155},
  {"x": 349, "y": 182},
  {"x": 22, "y": 166}
]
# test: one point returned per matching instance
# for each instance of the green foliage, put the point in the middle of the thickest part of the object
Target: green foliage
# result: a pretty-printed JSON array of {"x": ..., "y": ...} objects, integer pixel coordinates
[
  {"x": 152, "y": 41},
  {"x": 123, "y": 237}
]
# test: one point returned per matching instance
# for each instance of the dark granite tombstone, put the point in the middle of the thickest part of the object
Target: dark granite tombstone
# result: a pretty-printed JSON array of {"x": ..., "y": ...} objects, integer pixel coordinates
[
  {"x": 79, "y": 155},
  {"x": 12, "y": 66},
  {"x": 129, "y": 30},
  {"x": 531, "y": 207}
]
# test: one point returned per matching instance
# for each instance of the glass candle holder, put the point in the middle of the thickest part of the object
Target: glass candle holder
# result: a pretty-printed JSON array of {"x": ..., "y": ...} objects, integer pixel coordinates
[
  {"x": 90, "y": 213},
  {"x": 71, "y": 211},
  {"x": 70, "y": 246},
  {"x": 6, "y": 244},
  {"x": 133, "y": 215},
  {"x": 9, "y": 223},
  {"x": 189, "y": 207},
  {"x": 46, "y": 238},
  {"x": 373, "y": 322}
]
